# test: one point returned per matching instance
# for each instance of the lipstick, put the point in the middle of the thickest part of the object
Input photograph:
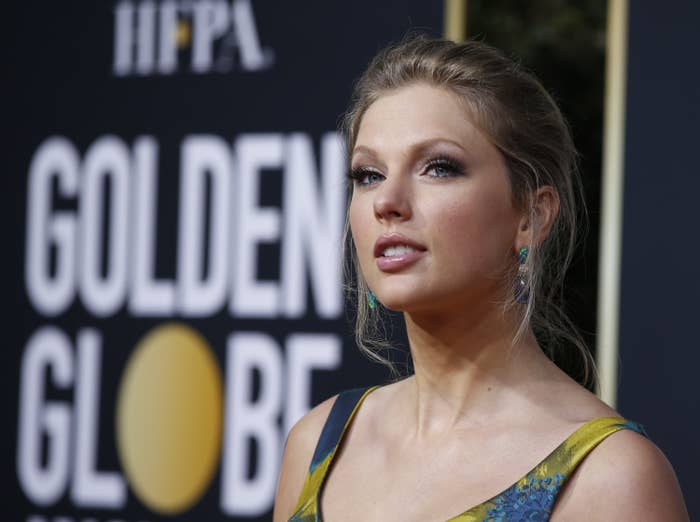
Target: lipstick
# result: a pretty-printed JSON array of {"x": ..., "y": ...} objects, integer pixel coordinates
[{"x": 394, "y": 252}]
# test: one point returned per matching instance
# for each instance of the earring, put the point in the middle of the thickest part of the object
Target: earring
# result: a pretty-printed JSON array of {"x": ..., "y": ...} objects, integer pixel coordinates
[
  {"x": 522, "y": 283},
  {"x": 371, "y": 299}
]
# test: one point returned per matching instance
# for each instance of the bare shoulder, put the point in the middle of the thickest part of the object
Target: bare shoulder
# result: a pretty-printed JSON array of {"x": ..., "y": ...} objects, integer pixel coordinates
[
  {"x": 298, "y": 450},
  {"x": 626, "y": 477}
]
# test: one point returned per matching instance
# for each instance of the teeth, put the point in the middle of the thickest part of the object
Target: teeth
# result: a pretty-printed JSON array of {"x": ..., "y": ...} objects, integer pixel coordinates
[{"x": 397, "y": 250}]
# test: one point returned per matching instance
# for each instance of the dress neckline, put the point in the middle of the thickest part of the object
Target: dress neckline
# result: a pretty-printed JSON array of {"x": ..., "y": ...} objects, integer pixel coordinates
[{"x": 574, "y": 435}]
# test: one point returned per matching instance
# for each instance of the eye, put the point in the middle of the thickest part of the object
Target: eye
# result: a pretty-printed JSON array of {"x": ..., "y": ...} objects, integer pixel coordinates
[
  {"x": 443, "y": 167},
  {"x": 363, "y": 176}
]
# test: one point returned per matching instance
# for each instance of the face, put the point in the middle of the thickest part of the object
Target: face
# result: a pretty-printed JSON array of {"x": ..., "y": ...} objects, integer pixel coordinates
[{"x": 431, "y": 213}]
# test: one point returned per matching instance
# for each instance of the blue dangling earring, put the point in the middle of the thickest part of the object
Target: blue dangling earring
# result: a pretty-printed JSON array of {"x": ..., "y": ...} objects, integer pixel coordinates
[
  {"x": 371, "y": 299},
  {"x": 522, "y": 285}
]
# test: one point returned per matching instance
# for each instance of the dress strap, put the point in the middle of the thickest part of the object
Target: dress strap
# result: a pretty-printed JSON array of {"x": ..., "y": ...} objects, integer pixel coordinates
[
  {"x": 342, "y": 412},
  {"x": 344, "y": 408},
  {"x": 574, "y": 449},
  {"x": 537, "y": 491}
]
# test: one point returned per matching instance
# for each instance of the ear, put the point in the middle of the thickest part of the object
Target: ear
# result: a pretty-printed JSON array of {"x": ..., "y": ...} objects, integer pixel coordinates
[{"x": 545, "y": 207}]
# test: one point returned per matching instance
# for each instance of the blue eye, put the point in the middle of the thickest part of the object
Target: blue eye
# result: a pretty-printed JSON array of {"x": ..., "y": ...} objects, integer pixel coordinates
[
  {"x": 365, "y": 177},
  {"x": 444, "y": 168}
]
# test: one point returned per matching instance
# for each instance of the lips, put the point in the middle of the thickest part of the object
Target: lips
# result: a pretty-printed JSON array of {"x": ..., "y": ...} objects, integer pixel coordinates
[{"x": 394, "y": 252}]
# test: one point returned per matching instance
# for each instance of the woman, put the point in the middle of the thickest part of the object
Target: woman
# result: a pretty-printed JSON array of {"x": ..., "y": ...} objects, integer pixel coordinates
[{"x": 463, "y": 217}]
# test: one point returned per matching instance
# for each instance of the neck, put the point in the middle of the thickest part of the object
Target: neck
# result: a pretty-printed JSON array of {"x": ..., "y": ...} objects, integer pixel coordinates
[{"x": 468, "y": 368}]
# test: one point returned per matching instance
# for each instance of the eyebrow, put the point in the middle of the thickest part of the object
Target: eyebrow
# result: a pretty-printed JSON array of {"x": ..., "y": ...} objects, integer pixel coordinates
[{"x": 414, "y": 149}]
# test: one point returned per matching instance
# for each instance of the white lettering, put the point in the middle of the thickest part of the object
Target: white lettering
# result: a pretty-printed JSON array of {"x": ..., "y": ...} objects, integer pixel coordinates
[
  {"x": 106, "y": 159},
  {"x": 203, "y": 157},
  {"x": 210, "y": 21},
  {"x": 253, "y": 57},
  {"x": 149, "y": 296},
  {"x": 47, "y": 349},
  {"x": 306, "y": 352},
  {"x": 167, "y": 46},
  {"x": 124, "y": 38},
  {"x": 252, "y": 298},
  {"x": 51, "y": 295},
  {"x": 147, "y": 36},
  {"x": 107, "y": 252},
  {"x": 245, "y": 419},
  {"x": 91, "y": 488},
  {"x": 312, "y": 226}
]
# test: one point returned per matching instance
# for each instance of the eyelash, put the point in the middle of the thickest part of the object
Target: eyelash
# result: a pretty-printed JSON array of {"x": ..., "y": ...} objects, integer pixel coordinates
[
  {"x": 359, "y": 173},
  {"x": 453, "y": 167}
]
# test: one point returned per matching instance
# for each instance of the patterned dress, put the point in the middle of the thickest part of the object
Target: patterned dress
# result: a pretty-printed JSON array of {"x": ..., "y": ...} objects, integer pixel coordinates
[{"x": 530, "y": 499}]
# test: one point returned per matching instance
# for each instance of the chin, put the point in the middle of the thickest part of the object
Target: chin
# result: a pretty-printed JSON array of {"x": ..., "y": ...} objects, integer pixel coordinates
[{"x": 404, "y": 301}]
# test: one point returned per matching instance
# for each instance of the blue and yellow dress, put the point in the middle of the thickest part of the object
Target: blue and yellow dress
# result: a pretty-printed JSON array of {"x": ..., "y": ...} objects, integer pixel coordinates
[{"x": 530, "y": 498}]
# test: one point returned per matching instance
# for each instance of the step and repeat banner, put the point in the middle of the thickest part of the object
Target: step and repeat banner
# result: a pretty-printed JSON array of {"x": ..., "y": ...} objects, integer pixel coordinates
[{"x": 178, "y": 305}]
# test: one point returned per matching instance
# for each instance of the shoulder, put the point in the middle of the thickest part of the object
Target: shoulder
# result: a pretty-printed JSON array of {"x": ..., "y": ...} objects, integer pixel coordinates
[
  {"x": 626, "y": 477},
  {"x": 298, "y": 451}
]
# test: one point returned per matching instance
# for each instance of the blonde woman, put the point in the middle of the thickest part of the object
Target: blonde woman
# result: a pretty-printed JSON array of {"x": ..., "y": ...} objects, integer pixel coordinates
[{"x": 463, "y": 216}]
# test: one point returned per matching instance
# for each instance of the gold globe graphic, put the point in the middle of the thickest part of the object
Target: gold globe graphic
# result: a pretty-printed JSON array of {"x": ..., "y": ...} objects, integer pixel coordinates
[{"x": 169, "y": 418}]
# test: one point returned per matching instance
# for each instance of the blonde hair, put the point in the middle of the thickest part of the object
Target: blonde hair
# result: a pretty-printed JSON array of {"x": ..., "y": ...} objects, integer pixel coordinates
[{"x": 520, "y": 118}]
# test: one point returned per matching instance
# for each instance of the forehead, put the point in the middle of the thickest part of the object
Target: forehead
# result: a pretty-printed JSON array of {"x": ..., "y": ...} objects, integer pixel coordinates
[{"x": 415, "y": 114}]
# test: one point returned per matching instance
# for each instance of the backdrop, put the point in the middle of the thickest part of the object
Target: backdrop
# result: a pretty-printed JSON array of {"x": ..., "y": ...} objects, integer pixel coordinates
[
  {"x": 178, "y": 188},
  {"x": 660, "y": 288}
]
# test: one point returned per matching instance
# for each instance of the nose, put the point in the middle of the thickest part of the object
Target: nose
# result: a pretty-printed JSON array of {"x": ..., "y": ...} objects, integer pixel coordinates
[{"x": 393, "y": 199}]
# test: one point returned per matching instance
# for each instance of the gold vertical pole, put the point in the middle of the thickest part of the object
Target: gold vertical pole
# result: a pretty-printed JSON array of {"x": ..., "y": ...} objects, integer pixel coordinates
[
  {"x": 607, "y": 350},
  {"x": 455, "y": 20}
]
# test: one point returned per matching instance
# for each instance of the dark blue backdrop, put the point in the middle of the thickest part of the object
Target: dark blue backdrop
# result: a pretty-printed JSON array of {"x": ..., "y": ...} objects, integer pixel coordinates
[{"x": 660, "y": 287}]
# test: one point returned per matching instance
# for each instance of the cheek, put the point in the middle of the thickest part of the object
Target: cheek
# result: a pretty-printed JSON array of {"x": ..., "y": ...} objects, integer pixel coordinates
[
  {"x": 477, "y": 227},
  {"x": 354, "y": 218},
  {"x": 359, "y": 227}
]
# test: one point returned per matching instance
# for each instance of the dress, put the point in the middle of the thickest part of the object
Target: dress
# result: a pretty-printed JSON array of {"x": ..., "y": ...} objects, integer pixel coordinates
[{"x": 530, "y": 498}]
